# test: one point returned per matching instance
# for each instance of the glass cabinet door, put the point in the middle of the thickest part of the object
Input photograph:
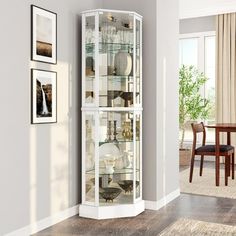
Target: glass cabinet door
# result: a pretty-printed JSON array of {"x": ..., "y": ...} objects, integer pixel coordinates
[
  {"x": 138, "y": 126},
  {"x": 115, "y": 60},
  {"x": 138, "y": 55},
  {"x": 116, "y": 153},
  {"x": 89, "y": 37},
  {"x": 89, "y": 125}
]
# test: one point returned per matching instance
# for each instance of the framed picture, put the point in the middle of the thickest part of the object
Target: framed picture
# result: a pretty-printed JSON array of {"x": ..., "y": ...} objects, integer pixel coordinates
[
  {"x": 44, "y": 96},
  {"x": 43, "y": 35}
]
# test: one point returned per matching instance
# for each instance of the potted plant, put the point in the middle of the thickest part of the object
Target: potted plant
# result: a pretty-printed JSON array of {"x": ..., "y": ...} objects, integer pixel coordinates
[{"x": 192, "y": 105}]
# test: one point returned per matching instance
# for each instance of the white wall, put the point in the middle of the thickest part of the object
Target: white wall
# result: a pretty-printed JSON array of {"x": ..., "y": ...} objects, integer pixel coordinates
[
  {"x": 198, "y": 8},
  {"x": 167, "y": 98},
  {"x": 40, "y": 164}
]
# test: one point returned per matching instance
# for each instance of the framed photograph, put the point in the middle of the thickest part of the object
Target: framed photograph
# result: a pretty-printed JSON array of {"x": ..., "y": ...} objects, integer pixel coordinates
[
  {"x": 44, "y": 96},
  {"x": 43, "y": 35}
]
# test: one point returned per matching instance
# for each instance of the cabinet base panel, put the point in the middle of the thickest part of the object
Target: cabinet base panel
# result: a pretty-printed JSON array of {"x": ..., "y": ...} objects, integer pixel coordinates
[{"x": 108, "y": 212}]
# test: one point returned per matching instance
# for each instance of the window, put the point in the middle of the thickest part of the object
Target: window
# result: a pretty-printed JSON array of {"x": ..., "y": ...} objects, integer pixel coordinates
[
  {"x": 188, "y": 51},
  {"x": 199, "y": 50}
]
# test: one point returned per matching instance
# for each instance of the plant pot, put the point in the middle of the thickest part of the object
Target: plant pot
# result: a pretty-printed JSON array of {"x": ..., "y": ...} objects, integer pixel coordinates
[{"x": 184, "y": 157}]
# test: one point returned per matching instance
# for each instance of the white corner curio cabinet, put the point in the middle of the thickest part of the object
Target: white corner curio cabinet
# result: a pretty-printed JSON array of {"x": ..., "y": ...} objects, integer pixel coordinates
[{"x": 111, "y": 114}]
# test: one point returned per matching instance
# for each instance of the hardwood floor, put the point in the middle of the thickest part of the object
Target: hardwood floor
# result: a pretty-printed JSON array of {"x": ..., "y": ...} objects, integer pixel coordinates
[{"x": 150, "y": 223}]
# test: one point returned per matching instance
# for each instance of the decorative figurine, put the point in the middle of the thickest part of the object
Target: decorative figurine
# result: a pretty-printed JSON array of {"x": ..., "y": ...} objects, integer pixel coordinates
[{"x": 126, "y": 133}]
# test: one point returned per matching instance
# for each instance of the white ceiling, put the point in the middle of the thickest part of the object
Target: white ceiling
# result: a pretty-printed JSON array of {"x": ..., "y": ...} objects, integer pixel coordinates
[{"x": 198, "y": 8}]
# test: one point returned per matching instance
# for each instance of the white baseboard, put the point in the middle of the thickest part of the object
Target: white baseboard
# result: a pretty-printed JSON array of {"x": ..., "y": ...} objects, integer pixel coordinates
[
  {"x": 45, "y": 223},
  {"x": 156, "y": 205}
]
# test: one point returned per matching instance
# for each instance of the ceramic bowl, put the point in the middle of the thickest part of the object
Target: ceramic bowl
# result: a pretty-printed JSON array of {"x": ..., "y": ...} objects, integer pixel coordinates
[
  {"x": 109, "y": 194},
  {"x": 127, "y": 185}
]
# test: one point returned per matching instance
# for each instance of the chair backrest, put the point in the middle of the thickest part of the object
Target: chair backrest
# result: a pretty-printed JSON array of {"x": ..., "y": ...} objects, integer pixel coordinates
[{"x": 198, "y": 128}]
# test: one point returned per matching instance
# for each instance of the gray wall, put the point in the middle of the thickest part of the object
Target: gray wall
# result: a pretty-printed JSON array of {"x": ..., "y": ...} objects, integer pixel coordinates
[
  {"x": 199, "y": 24},
  {"x": 38, "y": 162},
  {"x": 167, "y": 97},
  {"x": 160, "y": 40}
]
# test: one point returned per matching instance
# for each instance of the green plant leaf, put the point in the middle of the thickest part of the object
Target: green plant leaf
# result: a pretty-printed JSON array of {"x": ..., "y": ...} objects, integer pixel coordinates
[{"x": 192, "y": 106}]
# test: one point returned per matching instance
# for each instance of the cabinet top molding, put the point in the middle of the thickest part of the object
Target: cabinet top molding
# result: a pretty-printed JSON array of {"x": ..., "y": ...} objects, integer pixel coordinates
[{"x": 109, "y": 10}]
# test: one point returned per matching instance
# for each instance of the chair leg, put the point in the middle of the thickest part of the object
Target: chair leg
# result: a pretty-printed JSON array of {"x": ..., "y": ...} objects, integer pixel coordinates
[
  {"x": 191, "y": 168},
  {"x": 201, "y": 164},
  {"x": 226, "y": 170},
  {"x": 232, "y": 165}
]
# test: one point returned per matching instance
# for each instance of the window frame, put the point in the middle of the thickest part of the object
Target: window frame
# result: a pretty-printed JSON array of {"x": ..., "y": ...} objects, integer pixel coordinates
[
  {"x": 201, "y": 45},
  {"x": 200, "y": 60}
]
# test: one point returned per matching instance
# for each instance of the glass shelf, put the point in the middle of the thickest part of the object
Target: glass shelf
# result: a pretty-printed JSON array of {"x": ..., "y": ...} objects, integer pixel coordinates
[
  {"x": 102, "y": 171},
  {"x": 123, "y": 198},
  {"x": 112, "y": 77},
  {"x": 119, "y": 141},
  {"x": 110, "y": 47},
  {"x": 109, "y": 97},
  {"x": 110, "y": 44}
]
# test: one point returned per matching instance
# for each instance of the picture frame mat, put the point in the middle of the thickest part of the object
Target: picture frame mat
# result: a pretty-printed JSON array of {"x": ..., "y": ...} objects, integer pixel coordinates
[
  {"x": 35, "y": 10},
  {"x": 35, "y": 74}
]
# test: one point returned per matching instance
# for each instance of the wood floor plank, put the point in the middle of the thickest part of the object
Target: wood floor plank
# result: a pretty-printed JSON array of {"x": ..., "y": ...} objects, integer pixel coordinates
[{"x": 150, "y": 223}]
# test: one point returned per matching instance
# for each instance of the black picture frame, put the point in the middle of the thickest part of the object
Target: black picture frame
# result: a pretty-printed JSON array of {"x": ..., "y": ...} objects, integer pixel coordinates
[
  {"x": 44, "y": 104},
  {"x": 43, "y": 35}
]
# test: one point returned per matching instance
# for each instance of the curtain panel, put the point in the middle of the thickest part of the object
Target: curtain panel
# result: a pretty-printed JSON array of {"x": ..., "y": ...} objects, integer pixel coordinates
[{"x": 226, "y": 70}]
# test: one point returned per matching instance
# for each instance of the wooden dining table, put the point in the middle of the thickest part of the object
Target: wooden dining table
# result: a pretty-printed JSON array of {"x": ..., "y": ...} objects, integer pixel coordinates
[{"x": 226, "y": 128}]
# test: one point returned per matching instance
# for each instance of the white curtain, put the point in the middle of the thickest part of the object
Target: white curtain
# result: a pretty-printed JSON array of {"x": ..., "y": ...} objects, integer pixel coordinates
[{"x": 226, "y": 70}]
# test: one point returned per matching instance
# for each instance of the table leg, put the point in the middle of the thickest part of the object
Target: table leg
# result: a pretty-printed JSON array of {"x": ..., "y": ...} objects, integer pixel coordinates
[
  {"x": 226, "y": 170},
  {"x": 228, "y": 138},
  {"x": 217, "y": 157},
  {"x": 229, "y": 143},
  {"x": 233, "y": 166}
]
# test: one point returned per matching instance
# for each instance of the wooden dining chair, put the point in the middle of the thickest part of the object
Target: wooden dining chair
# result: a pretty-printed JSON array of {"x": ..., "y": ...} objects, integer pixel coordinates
[{"x": 209, "y": 150}]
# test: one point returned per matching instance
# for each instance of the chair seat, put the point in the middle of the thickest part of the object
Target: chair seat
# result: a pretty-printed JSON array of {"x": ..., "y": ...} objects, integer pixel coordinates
[{"x": 212, "y": 148}]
